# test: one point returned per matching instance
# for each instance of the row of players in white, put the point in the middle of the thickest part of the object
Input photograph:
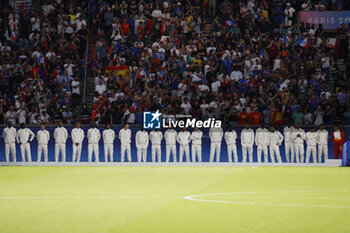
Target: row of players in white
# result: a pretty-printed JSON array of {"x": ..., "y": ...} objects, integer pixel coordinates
[{"x": 263, "y": 138}]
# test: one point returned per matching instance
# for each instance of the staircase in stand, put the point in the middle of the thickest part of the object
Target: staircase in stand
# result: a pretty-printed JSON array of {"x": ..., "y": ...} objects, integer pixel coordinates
[{"x": 90, "y": 86}]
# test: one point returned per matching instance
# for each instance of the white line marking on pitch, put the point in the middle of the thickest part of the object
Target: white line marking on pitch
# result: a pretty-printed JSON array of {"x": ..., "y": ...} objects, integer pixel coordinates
[
  {"x": 198, "y": 197},
  {"x": 88, "y": 197}
]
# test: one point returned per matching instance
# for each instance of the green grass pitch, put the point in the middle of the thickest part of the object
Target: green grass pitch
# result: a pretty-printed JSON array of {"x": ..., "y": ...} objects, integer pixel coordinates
[{"x": 152, "y": 199}]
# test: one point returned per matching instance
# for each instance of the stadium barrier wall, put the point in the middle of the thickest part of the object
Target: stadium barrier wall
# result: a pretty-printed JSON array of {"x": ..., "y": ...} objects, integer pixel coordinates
[
  {"x": 116, "y": 156},
  {"x": 346, "y": 154}
]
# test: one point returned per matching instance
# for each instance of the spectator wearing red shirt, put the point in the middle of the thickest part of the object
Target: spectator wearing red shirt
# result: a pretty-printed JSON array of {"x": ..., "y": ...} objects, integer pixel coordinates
[
  {"x": 338, "y": 139},
  {"x": 256, "y": 117},
  {"x": 125, "y": 27},
  {"x": 243, "y": 117},
  {"x": 155, "y": 62}
]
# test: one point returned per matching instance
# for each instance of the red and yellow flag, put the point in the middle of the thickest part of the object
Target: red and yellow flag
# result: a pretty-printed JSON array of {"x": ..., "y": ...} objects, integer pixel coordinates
[{"x": 118, "y": 70}]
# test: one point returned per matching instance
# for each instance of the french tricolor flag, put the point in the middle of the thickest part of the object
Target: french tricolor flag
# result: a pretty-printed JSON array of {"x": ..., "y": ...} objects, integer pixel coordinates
[
  {"x": 142, "y": 73},
  {"x": 229, "y": 23},
  {"x": 134, "y": 106},
  {"x": 13, "y": 36},
  {"x": 302, "y": 42}
]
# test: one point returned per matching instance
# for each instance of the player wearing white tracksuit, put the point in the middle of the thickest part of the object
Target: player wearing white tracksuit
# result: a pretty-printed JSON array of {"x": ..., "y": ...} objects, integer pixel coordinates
[
  {"x": 43, "y": 137},
  {"x": 230, "y": 138},
  {"x": 298, "y": 136},
  {"x": 60, "y": 135},
  {"x": 261, "y": 141},
  {"x": 322, "y": 141},
  {"x": 77, "y": 138},
  {"x": 170, "y": 140},
  {"x": 247, "y": 142},
  {"x": 288, "y": 141},
  {"x": 108, "y": 136},
  {"x": 9, "y": 135},
  {"x": 184, "y": 138},
  {"x": 24, "y": 137},
  {"x": 275, "y": 139},
  {"x": 142, "y": 140},
  {"x": 196, "y": 138},
  {"x": 125, "y": 141},
  {"x": 156, "y": 138},
  {"x": 215, "y": 134},
  {"x": 94, "y": 137},
  {"x": 311, "y": 143}
]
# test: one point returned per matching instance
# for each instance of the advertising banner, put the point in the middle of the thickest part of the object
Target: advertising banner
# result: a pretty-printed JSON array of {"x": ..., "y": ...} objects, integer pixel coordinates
[{"x": 330, "y": 20}]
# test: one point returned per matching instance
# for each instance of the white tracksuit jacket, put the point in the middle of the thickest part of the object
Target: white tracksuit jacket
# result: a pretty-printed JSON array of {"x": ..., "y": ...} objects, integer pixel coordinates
[
  {"x": 288, "y": 142},
  {"x": 322, "y": 141},
  {"x": 262, "y": 140},
  {"x": 94, "y": 137},
  {"x": 247, "y": 141},
  {"x": 184, "y": 138},
  {"x": 9, "y": 135},
  {"x": 231, "y": 138},
  {"x": 108, "y": 136},
  {"x": 196, "y": 138},
  {"x": 170, "y": 139},
  {"x": 77, "y": 137},
  {"x": 125, "y": 141},
  {"x": 141, "y": 140},
  {"x": 23, "y": 136},
  {"x": 43, "y": 137},
  {"x": 215, "y": 135},
  {"x": 311, "y": 142},
  {"x": 275, "y": 138},
  {"x": 298, "y": 145},
  {"x": 60, "y": 135},
  {"x": 156, "y": 139}
]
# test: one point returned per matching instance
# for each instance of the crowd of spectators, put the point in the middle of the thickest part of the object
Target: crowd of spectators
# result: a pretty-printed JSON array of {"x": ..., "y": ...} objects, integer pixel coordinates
[
  {"x": 254, "y": 63},
  {"x": 42, "y": 52}
]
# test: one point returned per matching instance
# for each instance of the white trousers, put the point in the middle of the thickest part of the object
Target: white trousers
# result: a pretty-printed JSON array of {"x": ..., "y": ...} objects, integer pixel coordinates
[
  {"x": 262, "y": 149},
  {"x": 156, "y": 151},
  {"x": 309, "y": 150},
  {"x": 299, "y": 153},
  {"x": 76, "y": 153},
  {"x": 42, "y": 148},
  {"x": 184, "y": 149},
  {"x": 108, "y": 149},
  {"x": 232, "y": 149},
  {"x": 142, "y": 154},
  {"x": 25, "y": 149},
  {"x": 215, "y": 147},
  {"x": 196, "y": 152},
  {"x": 60, "y": 147},
  {"x": 289, "y": 146},
  {"x": 170, "y": 149},
  {"x": 125, "y": 148},
  {"x": 248, "y": 148},
  {"x": 93, "y": 148},
  {"x": 322, "y": 150},
  {"x": 275, "y": 150},
  {"x": 12, "y": 147}
]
